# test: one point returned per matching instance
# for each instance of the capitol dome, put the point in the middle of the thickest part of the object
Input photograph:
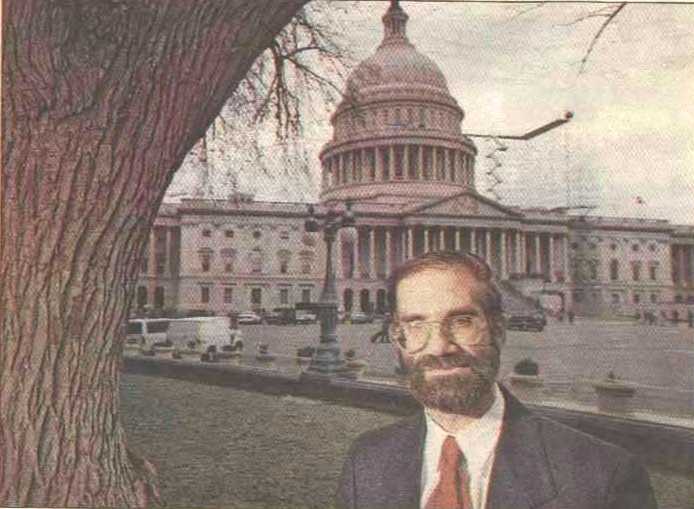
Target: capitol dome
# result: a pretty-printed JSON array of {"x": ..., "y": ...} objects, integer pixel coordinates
[
  {"x": 396, "y": 63},
  {"x": 397, "y": 131}
]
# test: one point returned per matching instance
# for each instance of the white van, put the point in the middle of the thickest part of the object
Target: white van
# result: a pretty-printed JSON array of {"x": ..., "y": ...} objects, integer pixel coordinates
[
  {"x": 199, "y": 335},
  {"x": 143, "y": 333}
]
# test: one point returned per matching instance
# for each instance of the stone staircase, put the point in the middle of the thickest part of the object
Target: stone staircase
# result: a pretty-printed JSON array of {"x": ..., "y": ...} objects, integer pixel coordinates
[{"x": 514, "y": 301}]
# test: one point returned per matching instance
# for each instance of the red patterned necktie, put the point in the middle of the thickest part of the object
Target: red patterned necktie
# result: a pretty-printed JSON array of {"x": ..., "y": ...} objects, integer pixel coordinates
[{"x": 453, "y": 488}]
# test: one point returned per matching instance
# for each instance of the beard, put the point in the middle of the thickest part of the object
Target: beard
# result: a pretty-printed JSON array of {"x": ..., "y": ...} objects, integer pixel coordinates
[{"x": 463, "y": 393}]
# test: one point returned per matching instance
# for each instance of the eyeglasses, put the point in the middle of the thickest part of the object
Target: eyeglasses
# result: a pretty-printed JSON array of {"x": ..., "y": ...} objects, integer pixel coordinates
[{"x": 463, "y": 330}]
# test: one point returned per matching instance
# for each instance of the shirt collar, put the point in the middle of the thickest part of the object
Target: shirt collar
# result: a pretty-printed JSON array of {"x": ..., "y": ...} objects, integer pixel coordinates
[{"x": 477, "y": 440}]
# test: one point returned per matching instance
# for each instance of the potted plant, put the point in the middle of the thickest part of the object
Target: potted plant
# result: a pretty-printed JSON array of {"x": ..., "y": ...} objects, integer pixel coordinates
[
  {"x": 525, "y": 379},
  {"x": 304, "y": 355},
  {"x": 354, "y": 367},
  {"x": 264, "y": 354},
  {"x": 614, "y": 395}
]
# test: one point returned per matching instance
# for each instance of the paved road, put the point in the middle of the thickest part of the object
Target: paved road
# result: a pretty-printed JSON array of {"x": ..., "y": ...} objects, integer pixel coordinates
[{"x": 658, "y": 359}]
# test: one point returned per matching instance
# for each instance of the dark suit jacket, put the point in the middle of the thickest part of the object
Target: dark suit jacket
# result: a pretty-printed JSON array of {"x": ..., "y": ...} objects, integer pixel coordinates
[{"x": 539, "y": 464}]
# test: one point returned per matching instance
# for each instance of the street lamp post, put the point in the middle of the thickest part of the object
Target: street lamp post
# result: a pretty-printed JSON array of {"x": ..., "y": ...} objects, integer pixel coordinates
[{"x": 327, "y": 359}]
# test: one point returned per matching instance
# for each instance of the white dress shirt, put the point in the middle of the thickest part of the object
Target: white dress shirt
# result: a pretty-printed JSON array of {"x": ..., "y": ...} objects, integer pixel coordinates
[{"x": 477, "y": 441}]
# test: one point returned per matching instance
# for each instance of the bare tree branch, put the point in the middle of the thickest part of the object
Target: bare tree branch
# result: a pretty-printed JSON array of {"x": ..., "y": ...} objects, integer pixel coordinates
[{"x": 609, "y": 18}]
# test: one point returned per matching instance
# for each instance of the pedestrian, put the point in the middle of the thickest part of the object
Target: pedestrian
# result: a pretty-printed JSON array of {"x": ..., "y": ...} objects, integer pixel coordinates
[{"x": 690, "y": 318}]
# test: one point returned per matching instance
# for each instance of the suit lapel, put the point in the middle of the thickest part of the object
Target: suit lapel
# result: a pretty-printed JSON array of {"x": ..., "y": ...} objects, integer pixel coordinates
[
  {"x": 521, "y": 476},
  {"x": 404, "y": 474}
]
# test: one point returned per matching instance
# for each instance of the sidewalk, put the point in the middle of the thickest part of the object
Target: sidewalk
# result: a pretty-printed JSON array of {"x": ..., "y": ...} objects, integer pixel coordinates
[{"x": 222, "y": 447}]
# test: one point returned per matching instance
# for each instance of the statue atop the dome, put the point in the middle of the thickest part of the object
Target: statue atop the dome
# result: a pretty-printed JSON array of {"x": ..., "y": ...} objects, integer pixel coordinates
[{"x": 394, "y": 24}]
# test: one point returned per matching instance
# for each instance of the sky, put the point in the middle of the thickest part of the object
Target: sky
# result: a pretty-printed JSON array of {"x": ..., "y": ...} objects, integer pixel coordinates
[{"x": 513, "y": 67}]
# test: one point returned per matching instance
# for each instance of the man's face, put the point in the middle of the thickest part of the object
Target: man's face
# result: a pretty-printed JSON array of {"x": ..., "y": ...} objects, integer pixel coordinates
[{"x": 454, "y": 373}]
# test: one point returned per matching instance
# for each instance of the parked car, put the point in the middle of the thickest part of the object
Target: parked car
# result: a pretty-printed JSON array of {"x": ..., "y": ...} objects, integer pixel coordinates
[
  {"x": 281, "y": 316},
  {"x": 199, "y": 336},
  {"x": 304, "y": 317},
  {"x": 249, "y": 318},
  {"x": 359, "y": 317},
  {"x": 146, "y": 333},
  {"x": 526, "y": 321}
]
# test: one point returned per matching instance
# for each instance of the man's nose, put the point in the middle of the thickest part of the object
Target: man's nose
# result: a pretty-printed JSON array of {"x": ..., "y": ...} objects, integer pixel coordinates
[{"x": 439, "y": 343}]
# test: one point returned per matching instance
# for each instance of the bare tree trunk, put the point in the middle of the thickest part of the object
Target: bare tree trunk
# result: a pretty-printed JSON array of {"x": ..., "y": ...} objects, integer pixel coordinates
[{"x": 102, "y": 99}]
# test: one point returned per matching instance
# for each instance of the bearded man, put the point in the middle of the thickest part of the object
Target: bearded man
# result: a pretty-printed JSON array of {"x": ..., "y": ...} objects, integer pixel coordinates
[{"x": 474, "y": 446}]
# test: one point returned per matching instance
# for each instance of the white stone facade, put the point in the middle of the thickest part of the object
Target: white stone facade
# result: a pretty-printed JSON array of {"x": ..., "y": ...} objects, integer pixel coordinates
[{"x": 399, "y": 157}]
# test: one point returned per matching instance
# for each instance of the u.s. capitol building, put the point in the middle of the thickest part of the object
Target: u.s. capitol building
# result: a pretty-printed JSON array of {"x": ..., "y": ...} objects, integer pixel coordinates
[{"x": 399, "y": 156}]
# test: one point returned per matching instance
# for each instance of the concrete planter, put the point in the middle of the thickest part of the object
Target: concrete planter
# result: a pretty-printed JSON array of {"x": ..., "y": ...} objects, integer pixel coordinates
[
  {"x": 525, "y": 386},
  {"x": 354, "y": 369},
  {"x": 614, "y": 396}
]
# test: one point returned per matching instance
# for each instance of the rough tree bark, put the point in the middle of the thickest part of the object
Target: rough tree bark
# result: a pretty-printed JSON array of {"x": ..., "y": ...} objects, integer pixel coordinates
[{"x": 101, "y": 101}]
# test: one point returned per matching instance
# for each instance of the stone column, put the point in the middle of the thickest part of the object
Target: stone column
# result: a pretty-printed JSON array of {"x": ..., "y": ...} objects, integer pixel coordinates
[
  {"x": 378, "y": 162},
  {"x": 406, "y": 161},
  {"x": 504, "y": 261},
  {"x": 426, "y": 239},
  {"x": 339, "y": 264},
  {"x": 488, "y": 246},
  {"x": 538, "y": 260},
  {"x": 565, "y": 258},
  {"x": 473, "y": 240},
  {"x": 420, "y": 162},
  {"x": 457, "y": 239},
  {"x": 355, "y": 256},
  {"x": 519, "y": 253},
  {"x": 550, "y": 258},
  {"x": 681, "y": 276},
  {"x": 389, "y": 254},
  {"x": 372, "y": 252},
  {"x": 410, "y": 242},
  {"x": 391, "y": 162},
  {"x": 442, "y": 238}
]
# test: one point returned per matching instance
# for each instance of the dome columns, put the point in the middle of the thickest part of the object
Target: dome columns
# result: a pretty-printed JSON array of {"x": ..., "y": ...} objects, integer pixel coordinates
[{"x": 396, "y": 162}]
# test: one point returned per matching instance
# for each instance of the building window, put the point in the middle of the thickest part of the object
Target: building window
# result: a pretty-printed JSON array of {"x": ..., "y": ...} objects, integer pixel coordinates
[
  {"x": 229, "y": 234},
  {"x": 305, "y": 295},
  {"x": 613, "y": 247},
  {"x": 205, "y": 260},
  {"x": 678, "y": 299},
  {"x": 283, "y": 267},
  {"x": 652, "y": 247},
  {"x": 654, "y": 298},
  {"x": 256, "y": 297},
  {"x": 636, "y": 271},
  {"x": 593, "y": 270},
  {"x": 228, "y": 295},
  {"x": 635, "y": 247},
  {"x": 653, "y": 272},
  {"x": 284, "y": 296},
  {"x": 284, "y": 235},
  {"x": 161, "y": 264},
  {"x": 614, "y": 270},
  {"x": 615, "y": 298},
  {"x": 206, "y": 233},
  {"x": 257, "y": 234},
  {"x": 256, "y": 260},
  {"x": 637, "y": 298},
  {"x": 205, "y": 294}
]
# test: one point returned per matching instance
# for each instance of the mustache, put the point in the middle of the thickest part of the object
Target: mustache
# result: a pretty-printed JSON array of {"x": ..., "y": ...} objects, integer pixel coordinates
[{"x": 454, "y": 360}]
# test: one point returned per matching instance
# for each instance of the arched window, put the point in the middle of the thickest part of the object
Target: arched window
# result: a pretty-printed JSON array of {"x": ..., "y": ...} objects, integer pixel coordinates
[
  {"x": 614, "y": 270},
  {"x": 228, "y": 259},
  {"x": 255, "y": 259},
  {"x": 205, "y": 256},
  {"x": 306, "y": 259},
  {"x": 283, "y": 257}
]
